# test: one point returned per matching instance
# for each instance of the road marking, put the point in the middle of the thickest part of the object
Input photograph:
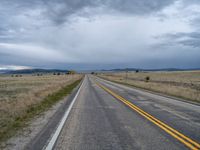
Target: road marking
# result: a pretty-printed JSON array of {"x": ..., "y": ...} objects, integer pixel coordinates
[
  {"x": 179, "y": 136},
  {"x": 62, "y": 122}
]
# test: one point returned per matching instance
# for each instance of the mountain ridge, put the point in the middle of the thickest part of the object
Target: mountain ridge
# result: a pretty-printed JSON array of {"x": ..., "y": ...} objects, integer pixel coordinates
[{"x": 31, "y": 71}]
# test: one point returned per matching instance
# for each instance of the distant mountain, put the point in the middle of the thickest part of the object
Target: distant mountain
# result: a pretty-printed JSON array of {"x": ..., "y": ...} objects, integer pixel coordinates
[
  {"x": 4, "y": 71},
  {"x": 32, "y": 71},
  {"x": 162, "y": 69}
]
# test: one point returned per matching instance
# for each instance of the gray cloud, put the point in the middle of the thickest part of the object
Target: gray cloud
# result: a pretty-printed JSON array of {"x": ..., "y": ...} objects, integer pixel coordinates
[
  {"x": 191, "y": 15},
  {"x": 99, "y": 33},
  {"x": 191, "y": 39},
  {"x": 59, "y": 10}
]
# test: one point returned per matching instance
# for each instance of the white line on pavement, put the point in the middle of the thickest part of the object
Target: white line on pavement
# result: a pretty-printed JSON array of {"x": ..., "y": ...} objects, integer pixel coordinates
[{"x": 62, "y": 122}]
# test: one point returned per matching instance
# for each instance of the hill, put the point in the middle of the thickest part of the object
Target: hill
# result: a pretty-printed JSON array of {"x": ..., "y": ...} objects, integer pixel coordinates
[{"x": 32, "y": 71}]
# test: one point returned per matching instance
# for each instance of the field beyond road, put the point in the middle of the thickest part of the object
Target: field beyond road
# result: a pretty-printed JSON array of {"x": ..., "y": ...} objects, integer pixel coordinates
[
  {"x": 182, "y": 84},
  {"x": 21, "y": 98}
]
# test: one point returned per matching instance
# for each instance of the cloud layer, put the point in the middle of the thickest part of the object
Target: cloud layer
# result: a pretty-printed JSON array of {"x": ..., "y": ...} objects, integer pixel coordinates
[{"x": 96, "y": 34}]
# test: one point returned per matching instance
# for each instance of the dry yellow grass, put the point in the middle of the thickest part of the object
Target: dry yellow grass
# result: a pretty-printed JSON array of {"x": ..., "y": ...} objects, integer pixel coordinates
[
  {"x": 17, "y": 94},
  {"x": 184, "y": 84}
]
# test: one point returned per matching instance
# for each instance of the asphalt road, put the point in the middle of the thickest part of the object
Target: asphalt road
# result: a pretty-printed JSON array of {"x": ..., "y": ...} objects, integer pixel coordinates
[{"x": 98, "y": 120}]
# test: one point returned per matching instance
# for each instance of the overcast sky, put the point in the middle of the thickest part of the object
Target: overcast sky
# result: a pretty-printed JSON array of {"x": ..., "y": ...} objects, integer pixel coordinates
[{"x": 99, "y": 34}]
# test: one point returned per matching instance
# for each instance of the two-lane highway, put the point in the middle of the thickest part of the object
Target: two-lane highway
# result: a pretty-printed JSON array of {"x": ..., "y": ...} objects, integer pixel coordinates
[{"x": 107, "y": 115}]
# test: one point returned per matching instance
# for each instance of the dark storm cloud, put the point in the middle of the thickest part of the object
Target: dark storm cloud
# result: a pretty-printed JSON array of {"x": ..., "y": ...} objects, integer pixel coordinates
[
  {"x": 59, "y": 10},
  {"x": 66, "y": 8}
]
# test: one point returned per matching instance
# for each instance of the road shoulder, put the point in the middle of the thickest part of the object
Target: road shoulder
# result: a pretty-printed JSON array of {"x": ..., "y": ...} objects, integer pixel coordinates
[{"x": 39, "y": 129}]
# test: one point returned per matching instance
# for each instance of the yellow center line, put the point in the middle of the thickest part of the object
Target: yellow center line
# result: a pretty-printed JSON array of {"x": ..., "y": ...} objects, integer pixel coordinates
[{"x": 179, "y": 136}]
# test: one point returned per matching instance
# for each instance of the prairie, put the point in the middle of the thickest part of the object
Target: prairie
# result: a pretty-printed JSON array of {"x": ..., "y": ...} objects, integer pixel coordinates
[
  {"x": 23, "y": 97},
  {"x": 183, "y": 84}
]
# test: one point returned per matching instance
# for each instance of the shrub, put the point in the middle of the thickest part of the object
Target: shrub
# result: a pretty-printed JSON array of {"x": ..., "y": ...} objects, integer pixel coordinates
[
  {"x": 71, "y": 72},
  {"x": 147, "y": 78}
]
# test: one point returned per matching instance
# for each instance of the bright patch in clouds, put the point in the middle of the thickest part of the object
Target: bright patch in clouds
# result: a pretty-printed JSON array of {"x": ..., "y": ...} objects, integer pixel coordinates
[
  {"x": 13, "y": 67},
  {"x": 32, "y": 51}
]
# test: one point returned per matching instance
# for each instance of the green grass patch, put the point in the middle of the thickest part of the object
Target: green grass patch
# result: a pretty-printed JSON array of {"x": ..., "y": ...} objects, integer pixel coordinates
[{"x": 13, "y": 126}]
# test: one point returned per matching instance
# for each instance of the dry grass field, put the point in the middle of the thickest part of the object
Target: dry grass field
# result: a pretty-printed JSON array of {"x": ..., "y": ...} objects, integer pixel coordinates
[
  {"x": 19, "y": 94},
  {"x": 184, "y": 84}
]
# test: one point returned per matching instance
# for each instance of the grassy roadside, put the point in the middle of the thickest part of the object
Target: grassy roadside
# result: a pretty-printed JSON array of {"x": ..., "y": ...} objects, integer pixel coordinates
[
  {"x": 34, "y": 110},
  {"x": 167, "y": 94}
]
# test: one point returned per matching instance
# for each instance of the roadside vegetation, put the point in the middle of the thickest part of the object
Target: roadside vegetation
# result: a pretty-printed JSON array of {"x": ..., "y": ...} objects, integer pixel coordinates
[
  {"x": 21, "y": 99},
  {"x": 183, "y": 84}
]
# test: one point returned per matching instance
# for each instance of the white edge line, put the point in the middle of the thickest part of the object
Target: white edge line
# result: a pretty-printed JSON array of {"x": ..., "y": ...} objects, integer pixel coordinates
[{"x": 62, "y": 122}]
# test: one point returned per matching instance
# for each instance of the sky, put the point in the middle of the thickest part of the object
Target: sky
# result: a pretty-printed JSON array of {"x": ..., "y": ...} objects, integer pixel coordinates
[{"x": 99, "y": 34}]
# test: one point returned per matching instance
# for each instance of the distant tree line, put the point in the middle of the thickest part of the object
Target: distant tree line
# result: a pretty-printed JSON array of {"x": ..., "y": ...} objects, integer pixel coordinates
[
  {"x": 16, "y": 75},
  {"x": 70, "y": 72}
]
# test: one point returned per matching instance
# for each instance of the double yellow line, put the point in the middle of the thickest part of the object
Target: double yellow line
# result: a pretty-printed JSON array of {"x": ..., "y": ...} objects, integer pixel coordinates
[{"x": 179, "y": 136}]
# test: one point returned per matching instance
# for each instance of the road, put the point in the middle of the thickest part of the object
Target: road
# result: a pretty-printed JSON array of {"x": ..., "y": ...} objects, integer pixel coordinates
[{"x": 108, "y": 116}]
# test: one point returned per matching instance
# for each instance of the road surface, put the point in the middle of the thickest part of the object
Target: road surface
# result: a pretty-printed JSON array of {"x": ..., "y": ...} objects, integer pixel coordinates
[{"x": 107, "y": 115}]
